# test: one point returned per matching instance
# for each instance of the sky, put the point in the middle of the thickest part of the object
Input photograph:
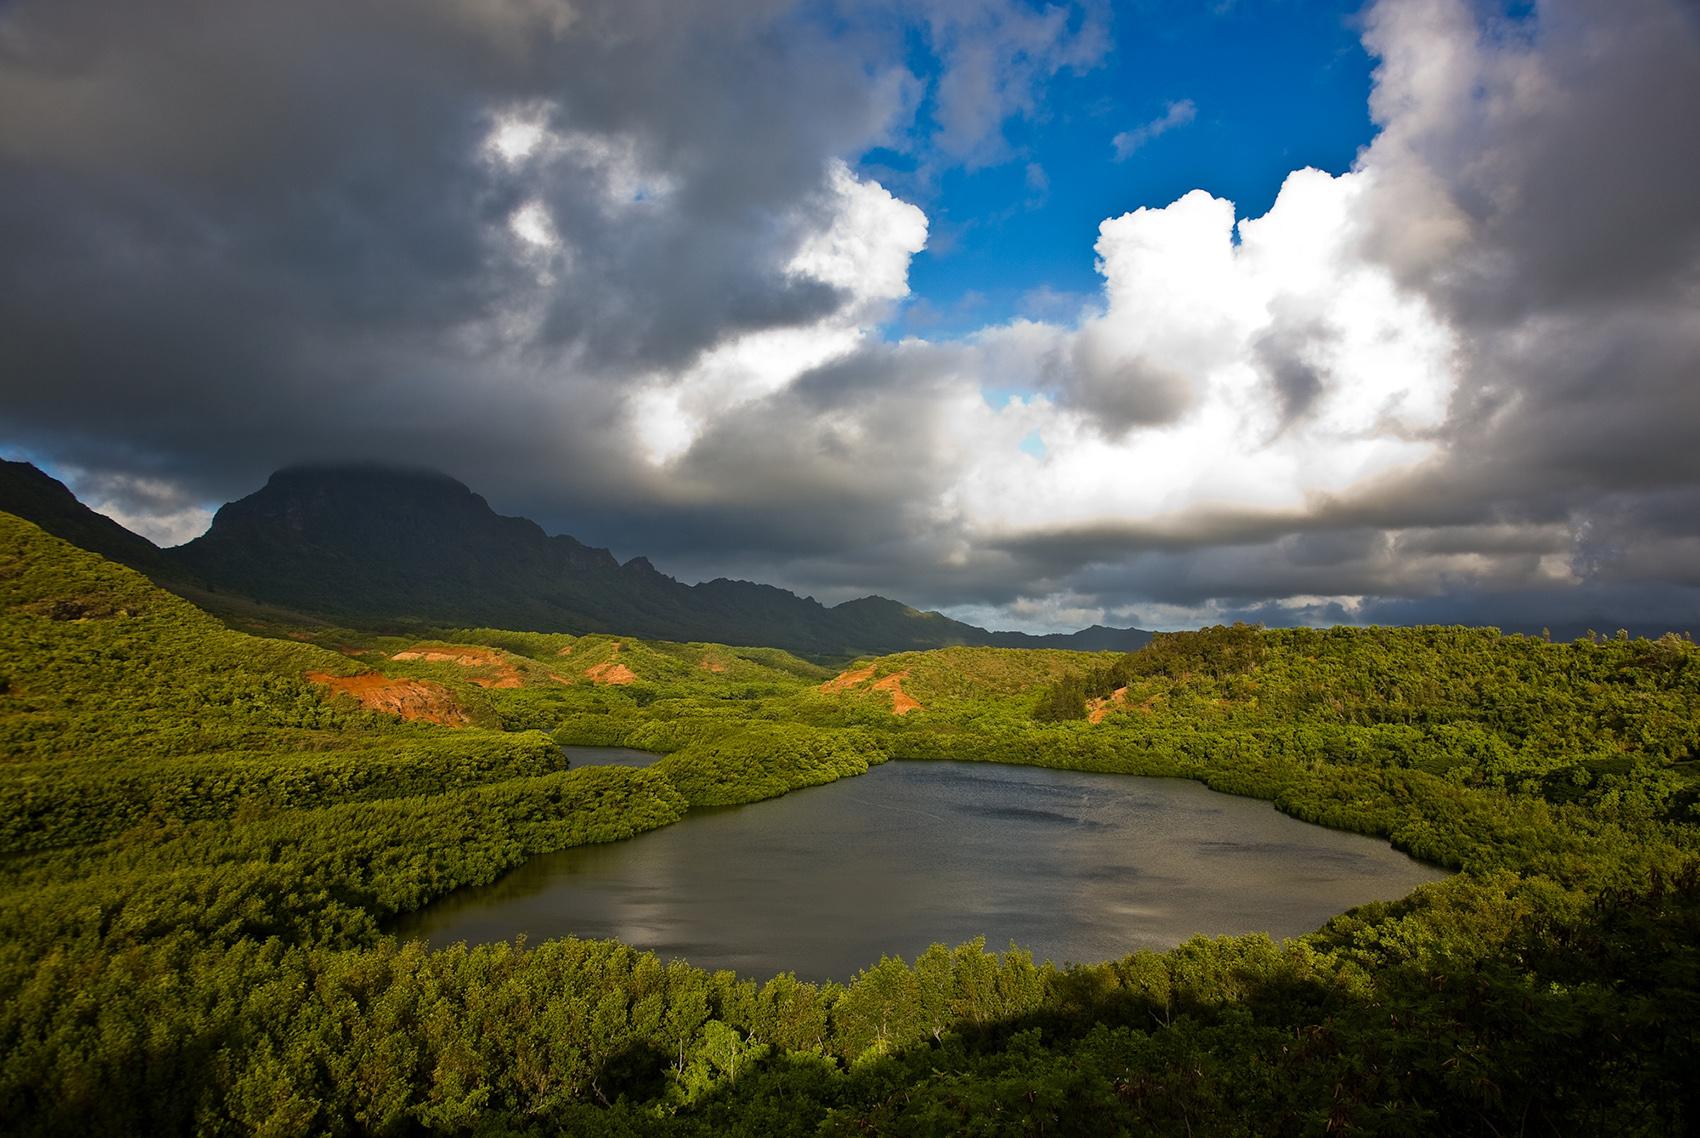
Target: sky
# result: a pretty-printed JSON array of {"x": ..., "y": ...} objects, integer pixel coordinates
[{"x": 1040, "y": 314}]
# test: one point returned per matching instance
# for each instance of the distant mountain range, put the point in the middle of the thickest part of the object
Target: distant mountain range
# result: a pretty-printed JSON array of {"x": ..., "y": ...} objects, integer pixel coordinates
[{"x": 383, "y": 547}]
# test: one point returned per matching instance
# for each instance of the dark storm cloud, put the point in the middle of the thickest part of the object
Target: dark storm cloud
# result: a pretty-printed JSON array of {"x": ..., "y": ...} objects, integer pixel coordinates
[
  {"x": 1564, "y": 153},
  {"x": 245, "y": 235},
  {"x": 1292, "y": 566},
  {"x": 1566, "y": 192},
  {"x": 836, "y": 463},
  {"x": 240, "y": 235}
]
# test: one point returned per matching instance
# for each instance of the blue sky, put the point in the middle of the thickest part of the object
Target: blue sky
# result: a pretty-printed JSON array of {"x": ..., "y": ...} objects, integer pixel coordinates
[{"x": 1275, "y": 86}]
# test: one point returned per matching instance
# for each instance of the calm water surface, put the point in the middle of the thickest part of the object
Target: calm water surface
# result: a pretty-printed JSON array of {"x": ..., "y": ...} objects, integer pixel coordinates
[
  {"x": 1072, "y": 866},
  {"x": 609, "y": 757}
]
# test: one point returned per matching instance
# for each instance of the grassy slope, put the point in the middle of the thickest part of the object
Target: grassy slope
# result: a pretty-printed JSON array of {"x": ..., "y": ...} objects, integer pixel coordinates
[
  {"x": 965, "y": 684},
  {"x": 102, "y": 664}
]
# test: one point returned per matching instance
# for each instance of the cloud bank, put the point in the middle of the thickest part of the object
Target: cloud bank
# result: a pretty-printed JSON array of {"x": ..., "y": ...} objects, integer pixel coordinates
[{"x": 615, "y": 265}]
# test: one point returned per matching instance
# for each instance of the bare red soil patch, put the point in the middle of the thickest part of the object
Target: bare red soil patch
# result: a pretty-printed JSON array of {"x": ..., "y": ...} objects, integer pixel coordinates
[
  {"x": 507, "y": 676},
  {"x": 902, "y": 703},
  {"x": 1096, "y": 709},
  {"x": 609, "y": 672},
  {"x": 844, "y": 681},
  {"x": 418, "y": 700},
  {"x": 713, "y": 665}
]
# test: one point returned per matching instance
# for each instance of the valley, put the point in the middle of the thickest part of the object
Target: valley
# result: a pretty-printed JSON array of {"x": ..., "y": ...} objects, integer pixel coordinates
[{"x": 211, "y": 837}]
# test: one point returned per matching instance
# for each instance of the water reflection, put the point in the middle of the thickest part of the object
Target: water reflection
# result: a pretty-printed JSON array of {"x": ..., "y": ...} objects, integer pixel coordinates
[{"x": 1073, "y": 866}]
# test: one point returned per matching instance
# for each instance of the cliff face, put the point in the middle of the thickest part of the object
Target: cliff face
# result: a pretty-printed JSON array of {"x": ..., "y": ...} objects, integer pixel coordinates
[{"x": 368, "y": 543}]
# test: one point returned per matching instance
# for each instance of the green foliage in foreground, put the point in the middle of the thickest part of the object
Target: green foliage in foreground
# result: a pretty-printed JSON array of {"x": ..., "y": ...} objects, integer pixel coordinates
[{"x": 200, "y": 852}]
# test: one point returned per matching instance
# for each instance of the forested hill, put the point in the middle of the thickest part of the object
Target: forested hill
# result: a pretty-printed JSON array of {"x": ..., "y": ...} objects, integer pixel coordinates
[{"x": 370, "y": 545}]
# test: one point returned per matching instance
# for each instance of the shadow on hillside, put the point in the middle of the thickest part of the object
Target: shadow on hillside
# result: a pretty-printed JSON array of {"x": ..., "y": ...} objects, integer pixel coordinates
[{"x": 1560, "y": 1026}]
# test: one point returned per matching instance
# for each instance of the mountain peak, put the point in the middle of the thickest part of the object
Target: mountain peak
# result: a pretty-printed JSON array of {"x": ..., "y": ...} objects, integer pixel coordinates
[
  {"x": 362, "y": 469},
  {"x": 354, "y": 480},
  {"x": 874, "y": 603},
  {"x": 361, "y": 537}
]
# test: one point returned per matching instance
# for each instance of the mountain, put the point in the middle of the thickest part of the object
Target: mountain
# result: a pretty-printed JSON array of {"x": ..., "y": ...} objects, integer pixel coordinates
[
  {"x": 36, "y": 497},
  {"x": 1098, "y": 638},
  {"x": 365, "y": 544},
  {"x": 384, "y": 546}
]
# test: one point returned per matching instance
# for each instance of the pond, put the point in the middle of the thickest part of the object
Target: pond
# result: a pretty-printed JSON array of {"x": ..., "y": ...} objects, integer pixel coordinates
[
  {"x": 1072, "y": 866},
  {"x": 609, "y": 757}
]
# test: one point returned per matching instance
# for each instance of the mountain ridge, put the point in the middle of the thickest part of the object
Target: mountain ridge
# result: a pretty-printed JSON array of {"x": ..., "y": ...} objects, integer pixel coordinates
[
  {"x": 32, "y": 494},
  {"x": 369, "y": 545}
]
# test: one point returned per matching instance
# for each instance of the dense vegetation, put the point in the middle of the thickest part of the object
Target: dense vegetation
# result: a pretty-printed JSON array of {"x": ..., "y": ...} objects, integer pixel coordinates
[{"x": 201, "y": 849}]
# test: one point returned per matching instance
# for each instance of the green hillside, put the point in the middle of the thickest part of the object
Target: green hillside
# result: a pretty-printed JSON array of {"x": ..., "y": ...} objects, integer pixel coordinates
[{"x": 203, "y": 846}]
